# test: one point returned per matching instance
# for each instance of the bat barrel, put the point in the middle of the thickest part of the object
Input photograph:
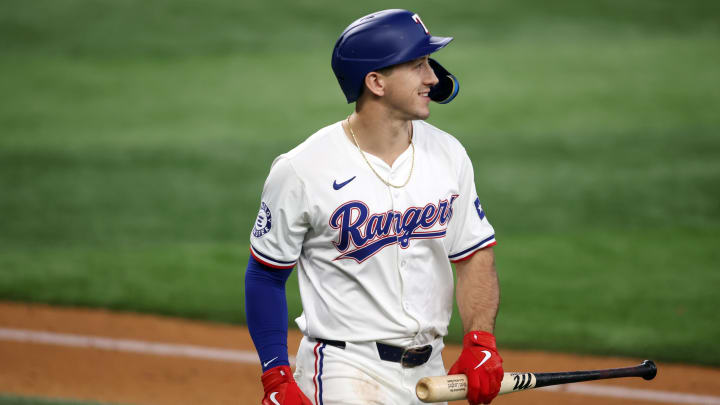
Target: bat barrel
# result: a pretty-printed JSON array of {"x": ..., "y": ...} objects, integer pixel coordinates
[{"x": 646, "y": 370}]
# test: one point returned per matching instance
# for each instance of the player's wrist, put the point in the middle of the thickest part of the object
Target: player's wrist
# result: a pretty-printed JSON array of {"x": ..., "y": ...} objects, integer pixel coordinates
[
  {"x": 480, "y": 338},
  {"x": 275, "y": 376}
]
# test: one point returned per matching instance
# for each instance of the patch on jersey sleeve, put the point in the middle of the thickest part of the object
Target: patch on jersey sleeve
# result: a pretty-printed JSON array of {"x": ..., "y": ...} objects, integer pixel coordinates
[
  {"x": 479, "y": 209},
  {"x": 263, "y": 222}
]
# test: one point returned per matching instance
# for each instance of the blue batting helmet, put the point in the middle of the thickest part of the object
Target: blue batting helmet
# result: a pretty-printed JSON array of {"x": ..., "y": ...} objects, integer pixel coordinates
[{"x": 383, "y": 39}]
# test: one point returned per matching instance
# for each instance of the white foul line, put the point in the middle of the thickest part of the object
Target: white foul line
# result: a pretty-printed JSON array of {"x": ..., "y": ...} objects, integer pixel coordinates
[
  {"x": 247, "y": 357},
  {"x": 128, "y": 345},
  {"x": 635, "y": 393}
]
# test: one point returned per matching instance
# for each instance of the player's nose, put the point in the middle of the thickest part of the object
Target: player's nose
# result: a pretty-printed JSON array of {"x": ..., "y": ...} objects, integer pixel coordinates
[{"x": 430, "y": 79}]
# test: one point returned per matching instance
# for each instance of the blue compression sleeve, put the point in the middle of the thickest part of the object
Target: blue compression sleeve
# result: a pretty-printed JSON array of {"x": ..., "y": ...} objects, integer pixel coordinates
[{"x": 267, "y": 313}]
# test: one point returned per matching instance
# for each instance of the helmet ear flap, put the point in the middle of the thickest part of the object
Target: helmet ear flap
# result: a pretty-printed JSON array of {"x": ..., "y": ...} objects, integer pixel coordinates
[{"x": 447, "y": 87}]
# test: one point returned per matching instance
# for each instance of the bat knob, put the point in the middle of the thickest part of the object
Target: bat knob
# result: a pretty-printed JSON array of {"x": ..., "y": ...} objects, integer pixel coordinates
[
  {"x": 651, "y": 369},
  {"x": 422, "y": 392}
]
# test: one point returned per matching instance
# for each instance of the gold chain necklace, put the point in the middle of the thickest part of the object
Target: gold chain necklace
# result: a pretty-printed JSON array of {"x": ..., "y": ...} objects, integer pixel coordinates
[{"x": 387, "y": 183}]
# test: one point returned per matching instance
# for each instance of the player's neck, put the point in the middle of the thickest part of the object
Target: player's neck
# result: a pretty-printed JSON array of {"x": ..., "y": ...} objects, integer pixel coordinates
[{"x": 380, "y": 135}]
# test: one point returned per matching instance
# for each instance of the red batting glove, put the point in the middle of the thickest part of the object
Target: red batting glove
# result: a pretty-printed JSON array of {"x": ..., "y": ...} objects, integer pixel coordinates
[
  {"x": 281, "y": 388},
  {"x": 482, "y": 365}
]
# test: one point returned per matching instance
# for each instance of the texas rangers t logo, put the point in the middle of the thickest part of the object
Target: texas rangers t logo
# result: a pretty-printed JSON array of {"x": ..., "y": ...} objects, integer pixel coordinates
[
  {"x": 370, "y": 233},
  {"x": 417, "y": 19}
]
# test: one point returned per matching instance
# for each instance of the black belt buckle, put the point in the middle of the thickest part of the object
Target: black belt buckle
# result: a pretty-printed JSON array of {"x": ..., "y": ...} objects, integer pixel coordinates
[{"x": 415, "y": 356}]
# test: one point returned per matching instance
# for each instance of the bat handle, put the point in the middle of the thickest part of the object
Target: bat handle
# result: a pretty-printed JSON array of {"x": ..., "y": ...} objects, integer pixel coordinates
[
  {"x": 454, "y": 387},
  {"x": 436, "y": 389}
]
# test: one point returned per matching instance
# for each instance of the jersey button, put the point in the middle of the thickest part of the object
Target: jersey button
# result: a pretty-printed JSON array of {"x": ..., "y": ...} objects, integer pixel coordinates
[{"x": 403, "y": 263}]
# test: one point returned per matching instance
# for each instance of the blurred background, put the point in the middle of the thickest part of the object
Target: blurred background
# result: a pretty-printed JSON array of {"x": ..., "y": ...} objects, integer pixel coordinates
[{"x": 135, "y": 137}]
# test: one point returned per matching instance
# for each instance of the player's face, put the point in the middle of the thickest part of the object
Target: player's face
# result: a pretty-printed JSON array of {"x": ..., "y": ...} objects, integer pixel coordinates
[{"x": 407, "y": 89}]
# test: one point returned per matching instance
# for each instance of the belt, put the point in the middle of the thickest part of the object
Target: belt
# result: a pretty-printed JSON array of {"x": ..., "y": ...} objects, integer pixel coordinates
[{"x": 408, "y": 357}]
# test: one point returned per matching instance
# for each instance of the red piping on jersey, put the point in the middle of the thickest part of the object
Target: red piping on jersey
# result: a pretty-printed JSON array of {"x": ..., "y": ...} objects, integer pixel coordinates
[
  {"x": 266, "y": 263},
  {"x": 493, "y": 243}
]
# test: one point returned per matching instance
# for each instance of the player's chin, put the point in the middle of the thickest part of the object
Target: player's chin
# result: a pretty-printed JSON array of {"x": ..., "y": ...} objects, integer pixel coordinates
[
  {"x": 417, "y": 110},
  {"x": 423, "y": 112}
]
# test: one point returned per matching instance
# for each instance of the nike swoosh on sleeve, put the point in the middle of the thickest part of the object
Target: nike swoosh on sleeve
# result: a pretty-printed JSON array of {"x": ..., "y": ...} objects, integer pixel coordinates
[
  {"x": 272, "y": 398},
  {"x": 269, "y": 361}
]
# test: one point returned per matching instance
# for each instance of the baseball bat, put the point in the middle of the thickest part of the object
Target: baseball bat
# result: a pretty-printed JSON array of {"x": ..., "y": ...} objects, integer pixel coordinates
[{"x": 454, "y": 387}]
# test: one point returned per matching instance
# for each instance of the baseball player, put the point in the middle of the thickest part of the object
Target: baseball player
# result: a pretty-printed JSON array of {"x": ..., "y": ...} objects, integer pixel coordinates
[{"x": 372, "y": 210}]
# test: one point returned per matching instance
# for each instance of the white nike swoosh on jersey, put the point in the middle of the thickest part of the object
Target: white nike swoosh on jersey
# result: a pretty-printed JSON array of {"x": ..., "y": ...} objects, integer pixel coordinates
[
  {"x": 272, "y": 398},
  {"x": 487, "y": 357},
  {"x": 269, "y": 361}
]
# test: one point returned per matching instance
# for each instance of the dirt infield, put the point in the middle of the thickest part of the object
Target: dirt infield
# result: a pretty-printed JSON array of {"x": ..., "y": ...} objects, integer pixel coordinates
[{"x": 70, "y": 369}]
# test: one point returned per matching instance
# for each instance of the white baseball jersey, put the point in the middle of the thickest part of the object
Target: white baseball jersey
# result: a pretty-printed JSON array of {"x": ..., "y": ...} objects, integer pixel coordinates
[{"x": 373, "y": 261}]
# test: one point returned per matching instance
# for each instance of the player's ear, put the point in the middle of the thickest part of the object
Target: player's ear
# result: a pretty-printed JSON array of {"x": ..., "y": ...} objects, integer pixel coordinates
[{"x": 375, "y": 83}]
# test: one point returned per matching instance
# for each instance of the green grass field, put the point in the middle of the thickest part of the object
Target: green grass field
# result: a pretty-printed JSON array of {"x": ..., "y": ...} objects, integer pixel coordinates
[
  {"x": 15, "y": 400},
  {"x": 135, "y": 138}
]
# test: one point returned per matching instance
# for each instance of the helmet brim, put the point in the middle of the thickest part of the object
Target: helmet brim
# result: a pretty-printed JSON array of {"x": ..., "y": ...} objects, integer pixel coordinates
[{"x": 431, "y": 45}]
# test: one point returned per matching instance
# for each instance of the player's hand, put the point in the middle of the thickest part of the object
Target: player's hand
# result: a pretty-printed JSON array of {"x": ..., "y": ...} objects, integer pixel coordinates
[
  {"x": 281, "y": 388},
  {"x": 482, "y": 365}
]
